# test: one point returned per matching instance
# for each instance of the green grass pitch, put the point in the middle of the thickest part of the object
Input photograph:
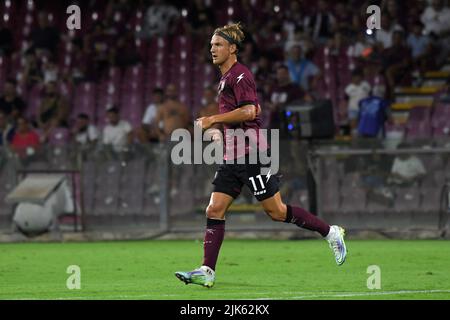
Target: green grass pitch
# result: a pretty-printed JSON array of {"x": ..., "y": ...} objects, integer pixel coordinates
[{"x": 247, "y": 269}]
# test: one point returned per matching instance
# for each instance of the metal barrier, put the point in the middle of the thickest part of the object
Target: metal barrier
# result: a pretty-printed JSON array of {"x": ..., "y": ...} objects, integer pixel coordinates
[
  {"x": 142, "y": 189},
  {"x": 362, "y": 188}
]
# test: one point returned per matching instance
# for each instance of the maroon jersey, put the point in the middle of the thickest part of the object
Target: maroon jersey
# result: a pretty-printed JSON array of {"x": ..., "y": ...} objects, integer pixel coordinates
[{"x": 237, "y": 88}]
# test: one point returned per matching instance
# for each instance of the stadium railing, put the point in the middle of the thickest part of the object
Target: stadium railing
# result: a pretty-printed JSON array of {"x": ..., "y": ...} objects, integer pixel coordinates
[{"x": 141, "y": 189}]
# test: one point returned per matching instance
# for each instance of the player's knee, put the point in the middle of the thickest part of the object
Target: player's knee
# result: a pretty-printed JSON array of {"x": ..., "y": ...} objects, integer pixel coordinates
[
  {"x": 276, "y": 214},
  {"x": 214, "y": 212}
]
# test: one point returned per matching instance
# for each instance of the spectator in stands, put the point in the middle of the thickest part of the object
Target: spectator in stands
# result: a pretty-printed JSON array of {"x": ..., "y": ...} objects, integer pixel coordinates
[
  {"x": 172, "y": 114},
  {"x": 148, "y": 131},
  {"x": 301, "y": 69},
  {"x": 417, "y": 41},
  {"x": 53, "y": 111},
  {"x": 6, "y": 130},
  {"x": 81, "y": 70},
  {"x": 25, "y": 141},
  {"x": 84, "y": 132},
  {"x": 407, "y": 169},
  {"x": 263, "y": 68},
  {"x": 117, "y": 134},
  {"x": 373, "y": 114},
  {"x": 338, "y": 43},
  {"x": 32, "y": 73},
  {"x": 343, "y": 14},
  {"x": 299, "y": 38},
  {"x": 44, "y": 37},
  {"x": 436, "y": 18},
  {"x": 396, "y": 10},
  {"x": 247, "y": 54},
  {"x": 360, "y": 48},
  {"x": 6, "y": 41},
  {"x": 293, "y": 20},
  {"x": 421, "y": 47},
  {"x": 396, "y": 61},
  {"x": 209, "y": 103},
  {"x": 384, "y": 35},
  {"x": 10, "y": 103},
  {"x": 50, "y": 72},
  {"x": 322, "y": 23},
  {"x": 126, "y": 52},
  {"x": 357, "y": 90},
  {"x": 160, "y": 20},
  {"x": 200, "y": 15},
  {"x": 283, "y": 92},
  {"x": 97, "y": 47}
]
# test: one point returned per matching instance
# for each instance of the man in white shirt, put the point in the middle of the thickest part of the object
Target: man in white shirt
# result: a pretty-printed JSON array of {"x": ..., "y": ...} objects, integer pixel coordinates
[
  {"x": 357, "y": 90},
  {"x": 160, "y": 20},
  {"x": 148, "y": 131},
  {"x": 436, "y": 18},
  {"x": 384, "y": 35},
  {"x": 406, "y": 170},
  {"x": 84, "y": 133},
  {"x": 117, "y": 133}
]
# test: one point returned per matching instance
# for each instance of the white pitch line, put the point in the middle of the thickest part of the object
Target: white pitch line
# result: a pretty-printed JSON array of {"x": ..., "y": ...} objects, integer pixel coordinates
[
  {"x": 358, "y": 294},
  {"x": 324, "y": 294}
]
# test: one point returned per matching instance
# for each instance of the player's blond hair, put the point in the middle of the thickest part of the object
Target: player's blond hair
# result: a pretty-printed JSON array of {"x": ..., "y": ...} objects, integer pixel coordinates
[{"x": 232, "y": 32}]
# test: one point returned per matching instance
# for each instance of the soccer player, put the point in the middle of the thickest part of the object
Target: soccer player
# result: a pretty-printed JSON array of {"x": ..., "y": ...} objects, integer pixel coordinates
[{"x": 239, "y": 108}]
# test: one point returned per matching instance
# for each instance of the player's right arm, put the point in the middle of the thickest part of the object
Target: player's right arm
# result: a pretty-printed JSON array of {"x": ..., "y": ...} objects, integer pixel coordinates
[{"x": 245, "y": 113}]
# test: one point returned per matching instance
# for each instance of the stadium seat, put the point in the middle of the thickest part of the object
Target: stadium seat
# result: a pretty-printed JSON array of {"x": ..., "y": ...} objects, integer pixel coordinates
[
  {"x": 407, "y": 199},
  {"x": 4, "y": 72},
  {"x": 105, "y": 203},
  {"x": 107, "y": 188},
  {"x": 353, "y": 196},
  {"x": 300, "y": 198},
  {"x": 88, "y": 179},
  {"x": 34, "y": 100},
  {"x": 440, "y": 121},
  {"x": 59, "y": 137},
  {"x": 131, "y": 203},
  {"x": 418, "y": 130},
  {"x": 85, "y": 100}
]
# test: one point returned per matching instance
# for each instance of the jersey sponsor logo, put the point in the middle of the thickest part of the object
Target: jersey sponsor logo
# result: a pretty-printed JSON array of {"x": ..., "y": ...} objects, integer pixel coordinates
[{"x": 241, "y": 76}]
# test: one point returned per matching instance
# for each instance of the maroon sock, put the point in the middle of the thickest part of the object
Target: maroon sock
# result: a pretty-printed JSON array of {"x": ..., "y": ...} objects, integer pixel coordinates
[
  {"x": 215, "y": 231},
  {"x": 306, "y": 220}
]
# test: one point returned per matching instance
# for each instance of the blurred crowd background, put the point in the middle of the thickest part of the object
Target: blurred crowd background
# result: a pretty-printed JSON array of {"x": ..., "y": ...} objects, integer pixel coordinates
[{"x": 137, "y": 70}]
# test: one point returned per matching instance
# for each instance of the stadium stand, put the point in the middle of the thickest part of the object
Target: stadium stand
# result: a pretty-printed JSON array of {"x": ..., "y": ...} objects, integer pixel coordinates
[{"x": 109, "y": 63}]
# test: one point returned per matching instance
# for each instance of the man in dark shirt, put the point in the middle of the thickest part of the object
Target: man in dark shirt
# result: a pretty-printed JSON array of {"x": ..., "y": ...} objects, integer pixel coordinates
[
  {"x": 45, "y": 36},
  {"x": 283, "y": 93},
  {"x": 11, "y": 104},
  {"x": 396, "y": 61},
  {"x": 6, "y": 41},
  {"x": 6, "y": 131}
]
